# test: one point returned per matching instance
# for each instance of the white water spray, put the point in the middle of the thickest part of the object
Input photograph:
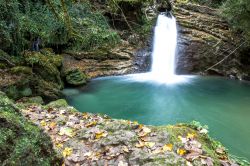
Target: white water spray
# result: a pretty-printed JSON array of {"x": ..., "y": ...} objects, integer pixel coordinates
[
  {"x": 164, "y": 48},
  {"x": 165, "y": 41}
]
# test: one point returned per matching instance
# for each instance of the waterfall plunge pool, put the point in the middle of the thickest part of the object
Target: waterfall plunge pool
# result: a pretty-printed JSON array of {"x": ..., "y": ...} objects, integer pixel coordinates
[{"x": 222, "y": 104}]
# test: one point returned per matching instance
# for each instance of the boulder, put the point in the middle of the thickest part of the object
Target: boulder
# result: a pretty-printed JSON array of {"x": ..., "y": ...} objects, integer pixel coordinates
[
  {"x": 22, "y": 142},
  {"x": 75, "y": 77}
]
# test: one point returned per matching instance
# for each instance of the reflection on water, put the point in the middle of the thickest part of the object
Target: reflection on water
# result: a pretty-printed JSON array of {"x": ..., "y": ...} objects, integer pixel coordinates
[{"x": 221, "y": 104}]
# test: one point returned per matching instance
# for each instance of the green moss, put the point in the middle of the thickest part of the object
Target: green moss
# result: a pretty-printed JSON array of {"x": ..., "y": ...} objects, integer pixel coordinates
[
  {"x": 57, "y": 104},
  {"x": 21, "y": 142},
  {"x": 21, "y": 70},
  {"x": 75, "y": 77}
]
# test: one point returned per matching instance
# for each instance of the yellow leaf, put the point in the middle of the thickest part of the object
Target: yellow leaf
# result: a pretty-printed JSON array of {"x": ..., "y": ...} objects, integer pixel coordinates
[
  {"x": 101, "y": 134},
  {"x": 190, "y": 136},
  {"x": 149, "y": 144},
  {"x": 59, "y": 145},
  {"x": 66, "y": 131},
  {"x": 157, "y": 151},
  {"x": 85, "y": 115},
  {"x": 140, "y": 144},
  {"x": 181, "y": 151},
  {"x": 144, "y": 131},
  {"x": 125, "y": 149},
  {"x": 52, "y": 125},
  {"x": 167, "y": 147},
  {"x": 135, "y": 123},
  {"x": 43, "y": 123},
  {"x": 91, "y": 124},
  {"x": 67, "y": 152}
]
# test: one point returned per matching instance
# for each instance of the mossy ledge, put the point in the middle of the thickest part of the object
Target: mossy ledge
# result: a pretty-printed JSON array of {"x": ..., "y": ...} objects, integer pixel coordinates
[
  {"x": 85, "y": 138},
  {"x": 22, "y": 142}
]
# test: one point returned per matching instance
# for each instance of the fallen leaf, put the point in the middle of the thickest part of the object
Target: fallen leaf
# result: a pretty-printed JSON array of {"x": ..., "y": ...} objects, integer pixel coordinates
[
  {"x": 182, "y": 139},
  {"x": 125, "y": 149},
  {"x": 157, "y": 151},
  {"x": 150, "y": 144},
  {"x": 192, "y": 156},
  {"x": 100, "y": 134},
  {"x": 190, "y": 136},
  {"x": 144, "y": 131},
  {"x": 181, "y": 151},
  {"x": 66, "y": 131},
  {"x": 43, "y": 123},
  {"x": 67, "y": 152},
  {"x": 85, "y": 115},
  {"x": 188, "y": 163},
  {"x": 59, "y": 145},
  {"x": 52, "y": 125},
  {"x": 91, "y": 124},
  {"x": 140, "y": 144},
  {"x": 167, "y": 147},
  {"x": 50, "y": 110}
]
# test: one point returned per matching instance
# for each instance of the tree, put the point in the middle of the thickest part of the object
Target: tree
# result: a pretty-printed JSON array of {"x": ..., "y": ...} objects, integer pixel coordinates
[{"x": 237, "y": 12}]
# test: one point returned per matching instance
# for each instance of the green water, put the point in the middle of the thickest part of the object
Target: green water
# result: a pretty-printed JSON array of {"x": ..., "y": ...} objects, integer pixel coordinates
[{"x": 224, "y": 105}]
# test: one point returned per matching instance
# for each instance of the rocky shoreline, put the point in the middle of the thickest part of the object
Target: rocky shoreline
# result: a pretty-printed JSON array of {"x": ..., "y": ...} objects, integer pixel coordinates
[{"x": 91, "y": 139}]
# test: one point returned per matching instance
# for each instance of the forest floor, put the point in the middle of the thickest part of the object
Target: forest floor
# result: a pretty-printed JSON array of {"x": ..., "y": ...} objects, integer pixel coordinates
[{"x": 90, "y": 139}]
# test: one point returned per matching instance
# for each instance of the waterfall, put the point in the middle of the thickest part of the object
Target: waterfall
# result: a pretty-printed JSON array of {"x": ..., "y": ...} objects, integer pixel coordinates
[
  {"x": 165, "y": 41},
  {"x": 163, "y": 56}
]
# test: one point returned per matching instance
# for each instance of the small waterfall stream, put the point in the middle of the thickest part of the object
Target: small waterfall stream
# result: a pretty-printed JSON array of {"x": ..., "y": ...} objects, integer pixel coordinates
[{"x": 165, "y": 41}]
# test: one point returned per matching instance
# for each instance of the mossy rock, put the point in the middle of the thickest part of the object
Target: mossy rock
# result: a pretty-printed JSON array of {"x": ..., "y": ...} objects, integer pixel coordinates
[
  {"x": 21, "y": 70},
  {"x": 75, "y": 77},
  {"x": 3, "y": 66},
  {"x": 57, "y": 104},
  {"x": 47, "y": 90},
  {"x": 21, "y": 142},
  {"x": 32, "y": 100}
]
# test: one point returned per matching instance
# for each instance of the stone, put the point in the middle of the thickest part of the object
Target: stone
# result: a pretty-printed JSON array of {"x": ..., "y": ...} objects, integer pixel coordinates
[{"x": 75, "y": 77}]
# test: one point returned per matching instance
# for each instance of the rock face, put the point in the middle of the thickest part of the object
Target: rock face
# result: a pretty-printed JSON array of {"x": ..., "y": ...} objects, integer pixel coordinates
[
  {"x": 116, "y": 61},
  {"x": 205, "y": 39}
]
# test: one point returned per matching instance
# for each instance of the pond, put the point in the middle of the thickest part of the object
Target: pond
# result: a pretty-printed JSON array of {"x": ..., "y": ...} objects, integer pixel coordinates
[{"x": 222, "y": 104}]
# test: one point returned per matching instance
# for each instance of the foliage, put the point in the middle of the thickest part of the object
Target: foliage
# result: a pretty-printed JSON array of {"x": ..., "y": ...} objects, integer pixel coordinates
[
  {"x": 240, "y": 21},
  {"x": 212, "y": 3},
  {"x": 59, "y": 23}
]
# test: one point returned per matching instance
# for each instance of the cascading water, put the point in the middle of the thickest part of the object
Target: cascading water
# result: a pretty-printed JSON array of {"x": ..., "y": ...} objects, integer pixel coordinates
[
  {"x": 165, "y": 41},
  {"x": 164, "y": 48}
]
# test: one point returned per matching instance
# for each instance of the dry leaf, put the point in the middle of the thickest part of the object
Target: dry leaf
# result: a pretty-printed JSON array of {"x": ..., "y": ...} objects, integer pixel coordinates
[
  {"x": 59, "y": 145},
  {"x": 181, "y": 151},
  {"x": 52, "y": 125},
  {"x": 67, "y": 152},
  {"x": 182, "y": 139},
  {"x": 43, "y": 123},
  {"x": 100, "y": 134},
  {"x": 150, "y": 144},
  {"x": 91, "y": 124},
  {"x": 66, "y": 131},
  {"x": 125, "y": 149},
  {"x": 140, "y": 144},
  {"x": 190, "y": 136},
  {"x": 144, "y": 131},
  {"x": 167, "y": 147}
]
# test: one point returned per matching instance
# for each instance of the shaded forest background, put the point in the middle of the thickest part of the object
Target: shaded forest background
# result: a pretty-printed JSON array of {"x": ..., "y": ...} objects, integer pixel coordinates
[{"x": 80, "y": 25}]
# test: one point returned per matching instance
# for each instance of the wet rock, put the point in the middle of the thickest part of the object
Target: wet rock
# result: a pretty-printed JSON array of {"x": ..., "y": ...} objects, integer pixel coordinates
[{"x": 75, "y": 77}]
